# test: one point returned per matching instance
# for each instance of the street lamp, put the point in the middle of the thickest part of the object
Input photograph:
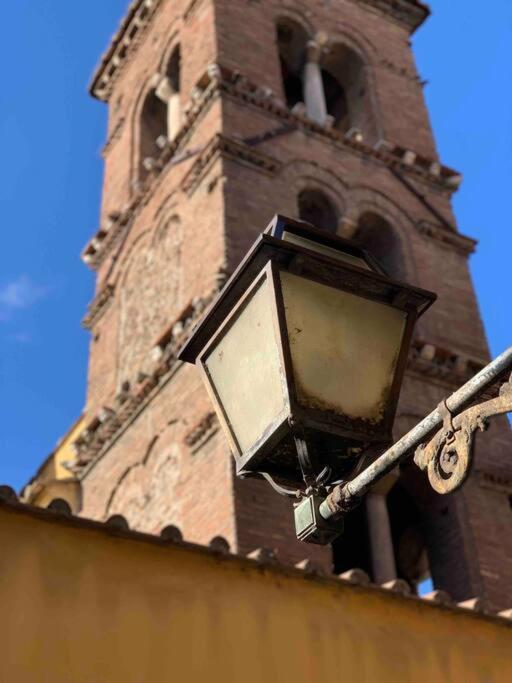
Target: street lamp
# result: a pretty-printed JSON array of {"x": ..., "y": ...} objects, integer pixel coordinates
[{"x": 303, "y": 354}]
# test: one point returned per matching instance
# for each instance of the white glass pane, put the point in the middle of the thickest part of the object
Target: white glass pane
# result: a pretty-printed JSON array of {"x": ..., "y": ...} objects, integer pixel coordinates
[
  {"x": 343, "y": 347},
  {"x": 245, "y": 370}
]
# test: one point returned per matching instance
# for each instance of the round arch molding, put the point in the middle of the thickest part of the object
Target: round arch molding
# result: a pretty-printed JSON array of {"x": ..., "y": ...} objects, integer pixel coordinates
[
  {"x": 149, "y": 294},
  {"x": 367, "y": 201},
  {"x": 143, "y": 493},
  {"x": 301, "y": 176}
]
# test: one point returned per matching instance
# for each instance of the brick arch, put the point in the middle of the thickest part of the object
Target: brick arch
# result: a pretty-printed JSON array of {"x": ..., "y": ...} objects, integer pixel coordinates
[
  {"x": 370, "y": 117},
  {"x": 143, "y": 491},
  {"x": 300, "y": 175},
  {"x": 172, "y": 43},
  {"x": 354, "y": 39},
  {"x": 367, "y": 200},
  {"x": 297, "y": 15},
  {"x": 136, "y": 116},
  {"x": 123, "y": 263},
  {"x": 166, "y": 207}
]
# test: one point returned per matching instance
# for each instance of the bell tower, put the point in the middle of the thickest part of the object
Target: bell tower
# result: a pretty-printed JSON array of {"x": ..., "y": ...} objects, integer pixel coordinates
[{"x": 221, "y": 114}]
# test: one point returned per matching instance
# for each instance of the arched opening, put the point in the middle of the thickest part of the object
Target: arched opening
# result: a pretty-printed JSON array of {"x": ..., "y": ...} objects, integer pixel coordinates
[
  {"x": 330, "y": 79},
  {"x": 153, "y": 125},
  {"x": 346, "y": 90},
  {"x": 336, "y": 101},
  {"x": 291, "y": 43},
  {"x": 376, "y": 234},
  {"x": 316, "y": 208},
  {"x": 171, "y": 94},
  {"x": 161, "y": 114},
  {"x": 174, "y": 69}
]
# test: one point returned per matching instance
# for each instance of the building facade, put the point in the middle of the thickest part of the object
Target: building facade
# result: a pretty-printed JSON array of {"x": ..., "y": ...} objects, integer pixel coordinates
[{"x": 221, "y": 114}]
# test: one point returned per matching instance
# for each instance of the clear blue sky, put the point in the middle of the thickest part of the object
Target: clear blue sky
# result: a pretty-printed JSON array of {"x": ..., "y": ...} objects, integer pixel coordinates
[{"x": 51, "y": 133}]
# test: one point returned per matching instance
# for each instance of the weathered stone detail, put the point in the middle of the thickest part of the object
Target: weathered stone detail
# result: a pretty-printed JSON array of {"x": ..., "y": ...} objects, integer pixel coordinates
[
  {"x": 149, "y": 292},
  {"x": 98, "y": 306},
  {"x": 145, "y": 492},
  {"x": 100, "y": 432}
]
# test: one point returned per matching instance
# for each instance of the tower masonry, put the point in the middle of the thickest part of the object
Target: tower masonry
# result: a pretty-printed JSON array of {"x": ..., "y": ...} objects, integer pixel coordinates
[{"x": 222, "y": 113}]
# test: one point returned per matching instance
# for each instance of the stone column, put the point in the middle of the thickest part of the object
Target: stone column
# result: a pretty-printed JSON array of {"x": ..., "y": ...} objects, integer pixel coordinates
[
  {"x": 379, "y": 531},
  {"x": 168, "y": 94},
  {"x": 313, "y": 87}
]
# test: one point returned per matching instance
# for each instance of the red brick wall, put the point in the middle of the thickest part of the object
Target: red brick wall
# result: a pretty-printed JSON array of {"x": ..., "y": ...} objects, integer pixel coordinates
[{"x": 150, "y": 473}]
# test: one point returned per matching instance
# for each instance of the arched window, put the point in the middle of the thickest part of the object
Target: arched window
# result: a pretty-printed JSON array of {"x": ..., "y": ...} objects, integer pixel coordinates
[
  {"x": 153, "y": 125},
  {"x": 330, "y": 78},
  {"x": 346, "y": 90},
  {"x": 316, "y": 208},
  {"x": 336, "y": 101},
  {"x": 174, "y": 69},
  {"x": 291, "y": 42},
  {"x": 171, "y": 94},
  {"x": 382, "y": 241},
  {"x": 161, "y": 114}
]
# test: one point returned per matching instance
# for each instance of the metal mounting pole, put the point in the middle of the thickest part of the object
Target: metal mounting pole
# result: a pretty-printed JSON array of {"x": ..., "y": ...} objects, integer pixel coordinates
[{"x": 449, "y": 449}]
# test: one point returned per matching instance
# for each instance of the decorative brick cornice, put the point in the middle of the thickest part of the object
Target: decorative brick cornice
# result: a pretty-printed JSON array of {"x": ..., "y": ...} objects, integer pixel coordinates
[
  {"x": 133, "y": 26},
  {"x": 219, "y": 80},
  {"x": 461, "y": 243},
  {"x": 404, "y": 160},
  {"x": 223, "y": 146},
  {"x": 446, "y": 365},
  {"x": 124, "y": 43},
  {"x": 98, "y": 306},
  {"x": 410, "y": 13}
]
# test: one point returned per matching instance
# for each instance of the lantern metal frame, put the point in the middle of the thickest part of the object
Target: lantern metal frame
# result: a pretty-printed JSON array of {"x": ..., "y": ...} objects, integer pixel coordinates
[{"x": 278, "y": 450}]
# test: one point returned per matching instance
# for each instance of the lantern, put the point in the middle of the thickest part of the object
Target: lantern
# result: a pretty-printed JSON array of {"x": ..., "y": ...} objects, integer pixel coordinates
[{"x": 303, "y": 353}]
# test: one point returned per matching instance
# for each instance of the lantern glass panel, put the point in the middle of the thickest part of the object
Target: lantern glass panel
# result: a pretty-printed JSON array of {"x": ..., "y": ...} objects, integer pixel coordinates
[
  {"x": 245, "y": 369},
  {"x": 344, "y": 348}
]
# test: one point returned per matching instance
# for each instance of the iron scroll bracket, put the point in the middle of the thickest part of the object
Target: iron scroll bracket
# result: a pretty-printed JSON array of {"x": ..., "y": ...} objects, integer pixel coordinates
[{"x": 448, "y": 456}]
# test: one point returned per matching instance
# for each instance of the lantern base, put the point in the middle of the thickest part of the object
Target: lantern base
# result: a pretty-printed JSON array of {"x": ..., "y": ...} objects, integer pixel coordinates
[
  {"x": 280, "y": 458},
  {"x": 311, "y": 527}
]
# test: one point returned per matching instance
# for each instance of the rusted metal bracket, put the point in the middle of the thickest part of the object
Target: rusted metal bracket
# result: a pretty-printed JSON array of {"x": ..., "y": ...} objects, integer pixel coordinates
[{"x": 448, "y": 457}]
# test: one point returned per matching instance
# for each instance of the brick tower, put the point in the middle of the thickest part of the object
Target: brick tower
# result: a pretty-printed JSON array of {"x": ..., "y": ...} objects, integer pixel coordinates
[{"x": 222, "y": 113}]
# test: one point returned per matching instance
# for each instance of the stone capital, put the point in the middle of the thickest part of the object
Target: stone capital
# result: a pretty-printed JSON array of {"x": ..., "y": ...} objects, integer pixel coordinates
[
  {"x": 313, "y": 52},
  {"x": 164, "y": 89}
]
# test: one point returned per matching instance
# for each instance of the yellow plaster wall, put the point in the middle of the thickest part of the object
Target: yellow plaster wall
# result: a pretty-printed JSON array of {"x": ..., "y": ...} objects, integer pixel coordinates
[
  {"x": 65, "y": 452},
  {"x": 53, "y": 480},
  {"x": 68, "y": 490},
  {"x": 82, "y": 606}
]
